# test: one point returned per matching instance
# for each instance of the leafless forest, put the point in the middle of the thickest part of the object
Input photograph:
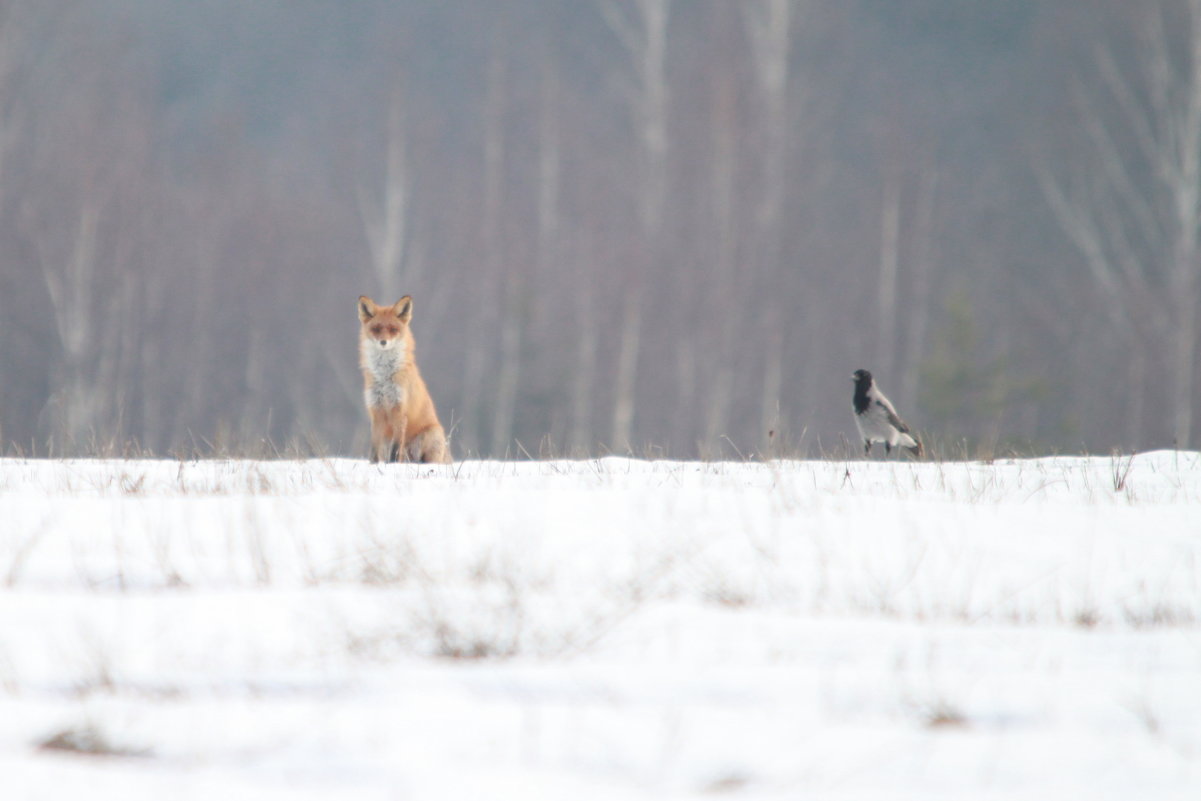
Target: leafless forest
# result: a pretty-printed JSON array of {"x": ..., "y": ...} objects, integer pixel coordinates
[{"x": 628, "y": 225}]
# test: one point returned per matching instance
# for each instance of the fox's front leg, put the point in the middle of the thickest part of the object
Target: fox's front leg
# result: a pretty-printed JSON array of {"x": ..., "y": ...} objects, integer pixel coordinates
[
  {"x": 400, "y": 427},
  {"x": 377, "y": 451},
  {"x": 393, "y": 446},
  {"x": 381, "y": 447},
  {"x": 381, "y": 441}
]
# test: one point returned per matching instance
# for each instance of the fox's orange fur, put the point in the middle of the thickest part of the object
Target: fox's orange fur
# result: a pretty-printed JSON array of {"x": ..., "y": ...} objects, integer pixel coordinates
[{"x": 404, "y": 424}]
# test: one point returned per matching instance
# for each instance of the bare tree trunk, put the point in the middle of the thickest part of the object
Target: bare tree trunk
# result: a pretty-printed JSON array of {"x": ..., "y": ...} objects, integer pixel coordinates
[
  {"x": 511, "y": 324},
  {"x": 550, "y": 158},
  {"x": 584, "y": 371},
  {"x": 1184, "y": 351},
  {"x": 917, "y": 308},
  {"x": 1184, "y": 282},
  {"x": 719, "y": 390},
  {"x": 890, "y": 257},
  {"x": 687, "y": 391},
  {"x": 74, "y": 404},
  {"x": 470, "y": 432},
  {"x": 626, "y": 373},
  {"x": 1136, "y": 372},
  {"x": 153, "y": 428},
  {"x": 202, "y": 344},
  {"x": 719, "y": 377},
  {"x": 123, "y": 342},
  {"x": 507, "y": 379},
  {"x": 771, "y": 415},
  {"x": 652, "y": 114},
  {"x": 645, "y": 40},
  {"x": 385, "y": 212},
  {"x": 769, "y": 25}
]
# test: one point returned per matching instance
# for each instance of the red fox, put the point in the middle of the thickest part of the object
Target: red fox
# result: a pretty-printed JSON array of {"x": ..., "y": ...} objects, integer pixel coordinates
[{"x": 404, "y": 424}]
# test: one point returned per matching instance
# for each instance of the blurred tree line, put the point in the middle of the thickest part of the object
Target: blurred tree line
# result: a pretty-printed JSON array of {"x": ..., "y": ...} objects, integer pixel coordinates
[{"x": 651, "y": 225}]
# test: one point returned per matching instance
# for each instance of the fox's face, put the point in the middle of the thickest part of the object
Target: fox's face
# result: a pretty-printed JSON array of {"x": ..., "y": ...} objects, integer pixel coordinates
[{"x": 384, "y": 326}]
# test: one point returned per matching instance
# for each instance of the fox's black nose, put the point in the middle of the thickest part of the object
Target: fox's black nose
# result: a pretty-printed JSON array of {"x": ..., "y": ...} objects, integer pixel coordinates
[{"x": 383, "y": 343}]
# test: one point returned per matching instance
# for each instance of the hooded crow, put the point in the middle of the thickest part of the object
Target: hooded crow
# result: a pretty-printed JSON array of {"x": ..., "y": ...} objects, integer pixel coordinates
[{"x": 877, "y": 420}]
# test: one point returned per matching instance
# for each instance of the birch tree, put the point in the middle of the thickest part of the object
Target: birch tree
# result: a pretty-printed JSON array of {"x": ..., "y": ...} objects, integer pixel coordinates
[
  {"x": 386, "y": 209},
  {"x": 71, "y": 284},
  {"x": 641, "y": 28},
  {"x": 771, "y": 27},
  {"x": 922, "y": 257},
  {"x": 510, "y": 320}
]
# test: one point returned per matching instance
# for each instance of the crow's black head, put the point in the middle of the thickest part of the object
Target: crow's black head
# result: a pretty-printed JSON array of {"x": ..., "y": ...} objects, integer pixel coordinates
[{"x": 863, "y": 382}]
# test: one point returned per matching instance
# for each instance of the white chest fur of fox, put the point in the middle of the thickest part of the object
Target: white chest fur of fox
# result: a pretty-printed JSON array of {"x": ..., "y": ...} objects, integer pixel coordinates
[
  {"x": 383, "y": 364},
  {"x": 404, "y": 423}
]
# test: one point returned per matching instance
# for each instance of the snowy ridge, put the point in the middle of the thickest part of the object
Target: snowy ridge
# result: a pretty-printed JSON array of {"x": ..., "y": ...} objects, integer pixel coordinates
[{"x": 608, "y": 628}]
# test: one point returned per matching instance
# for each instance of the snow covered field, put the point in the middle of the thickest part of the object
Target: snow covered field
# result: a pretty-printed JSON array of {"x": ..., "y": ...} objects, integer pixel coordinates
[{"x": 613, "y": 629}]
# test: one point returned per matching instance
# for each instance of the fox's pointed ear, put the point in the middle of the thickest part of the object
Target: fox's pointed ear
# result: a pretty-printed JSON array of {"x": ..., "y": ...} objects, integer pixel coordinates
[
  {"x": 404, "y": 308},
  {"x": 367, "y": 308}
]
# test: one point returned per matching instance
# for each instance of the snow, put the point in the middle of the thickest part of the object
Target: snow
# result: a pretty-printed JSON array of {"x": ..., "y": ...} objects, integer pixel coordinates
[{"x": 606, "y": 629}]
